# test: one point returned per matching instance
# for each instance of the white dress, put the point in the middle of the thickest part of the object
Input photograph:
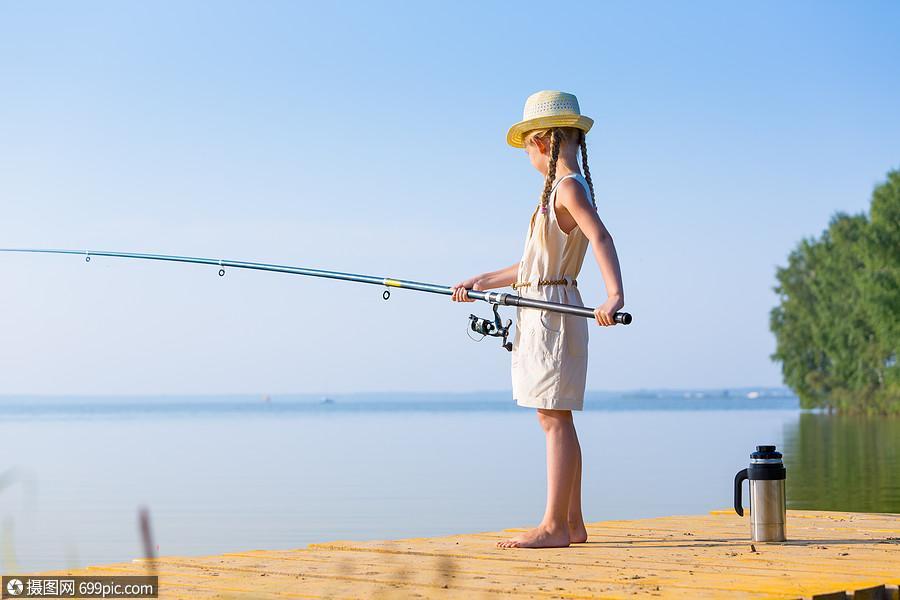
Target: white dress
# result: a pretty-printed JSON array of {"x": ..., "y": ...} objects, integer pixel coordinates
[{"x": 549, "y": 353}]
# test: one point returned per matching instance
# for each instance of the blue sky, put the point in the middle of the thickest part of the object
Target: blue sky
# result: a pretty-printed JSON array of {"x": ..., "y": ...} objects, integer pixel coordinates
[{"x": 370, "y": 137}]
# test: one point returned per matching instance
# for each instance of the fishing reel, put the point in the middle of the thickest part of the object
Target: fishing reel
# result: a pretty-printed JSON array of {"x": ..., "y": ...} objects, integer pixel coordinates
[{"x": 494, "y": 328}]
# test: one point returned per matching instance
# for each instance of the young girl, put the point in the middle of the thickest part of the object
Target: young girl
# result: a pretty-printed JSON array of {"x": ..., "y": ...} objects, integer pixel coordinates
[{"x": 549, "y": 353}]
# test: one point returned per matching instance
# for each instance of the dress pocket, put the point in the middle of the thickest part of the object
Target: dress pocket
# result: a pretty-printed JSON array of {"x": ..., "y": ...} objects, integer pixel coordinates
[
  {"x": 550, "y": 343},
  {"x": 551, "y": 320}
]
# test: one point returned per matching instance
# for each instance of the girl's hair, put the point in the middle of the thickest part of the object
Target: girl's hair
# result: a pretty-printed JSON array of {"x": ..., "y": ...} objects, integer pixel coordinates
[{"x": 556, "y": 136}]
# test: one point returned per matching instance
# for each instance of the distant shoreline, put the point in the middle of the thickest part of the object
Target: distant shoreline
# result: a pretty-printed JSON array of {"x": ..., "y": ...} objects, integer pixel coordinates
[
  {"x": 297, "y": 404},
  {"x": 369, "y": 396}
]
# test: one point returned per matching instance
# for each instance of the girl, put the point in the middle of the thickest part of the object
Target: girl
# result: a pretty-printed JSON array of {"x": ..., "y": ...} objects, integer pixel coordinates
[{"x": 549, "y": 353}]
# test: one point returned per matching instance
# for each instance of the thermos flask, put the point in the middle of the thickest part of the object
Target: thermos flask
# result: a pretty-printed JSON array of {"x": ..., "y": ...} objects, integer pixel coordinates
[{"x": 767, "y": 503}]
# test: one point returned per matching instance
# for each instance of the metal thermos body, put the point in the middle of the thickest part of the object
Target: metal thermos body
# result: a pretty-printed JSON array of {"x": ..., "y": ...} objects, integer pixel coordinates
[{"x": 766, "y": 475}]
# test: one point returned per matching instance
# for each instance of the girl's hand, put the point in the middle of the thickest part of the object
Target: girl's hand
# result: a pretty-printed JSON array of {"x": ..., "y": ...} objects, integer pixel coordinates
[
  {"x": 460, "y": 292},
  {"x": 604, "y": 314}
]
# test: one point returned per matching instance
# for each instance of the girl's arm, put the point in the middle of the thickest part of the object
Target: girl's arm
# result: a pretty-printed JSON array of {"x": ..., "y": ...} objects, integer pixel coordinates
[
  {"x": 572, "y": 198},
  {"x": 486, "y": 281}
]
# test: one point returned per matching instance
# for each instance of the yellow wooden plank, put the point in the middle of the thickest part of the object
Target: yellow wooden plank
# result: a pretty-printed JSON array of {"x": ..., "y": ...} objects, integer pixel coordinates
[{"x": 695, "y": 556}]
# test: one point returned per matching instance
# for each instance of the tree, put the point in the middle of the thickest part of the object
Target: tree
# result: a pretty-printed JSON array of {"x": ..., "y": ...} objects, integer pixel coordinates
[{"x": 838, "y": 322}]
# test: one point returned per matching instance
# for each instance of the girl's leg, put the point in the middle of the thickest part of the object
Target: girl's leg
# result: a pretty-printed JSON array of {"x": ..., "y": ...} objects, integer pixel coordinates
[
  {"x": 577, "y": 531},
  {"x": 562, "y": 457}
]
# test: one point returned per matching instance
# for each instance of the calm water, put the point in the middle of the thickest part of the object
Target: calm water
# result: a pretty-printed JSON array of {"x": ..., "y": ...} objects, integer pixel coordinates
[{"x": 238, "y": 473}]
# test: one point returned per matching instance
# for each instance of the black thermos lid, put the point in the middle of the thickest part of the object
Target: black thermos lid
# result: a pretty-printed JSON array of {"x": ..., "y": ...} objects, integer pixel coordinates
[{"x": 763, "y": 452}]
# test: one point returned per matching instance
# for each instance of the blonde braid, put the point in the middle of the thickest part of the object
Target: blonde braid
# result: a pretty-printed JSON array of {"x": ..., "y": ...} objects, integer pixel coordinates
[
  {"x": 551, "y": 169},
  {"x": 587, "y": 171}
]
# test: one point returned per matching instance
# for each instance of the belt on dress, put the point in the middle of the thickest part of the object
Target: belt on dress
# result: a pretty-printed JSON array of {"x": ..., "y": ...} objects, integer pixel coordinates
[{"x": 563, "y": 281}]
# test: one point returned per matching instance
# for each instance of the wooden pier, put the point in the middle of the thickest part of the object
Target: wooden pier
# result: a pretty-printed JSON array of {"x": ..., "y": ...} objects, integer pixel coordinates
[{"x": 829, "y": 555}]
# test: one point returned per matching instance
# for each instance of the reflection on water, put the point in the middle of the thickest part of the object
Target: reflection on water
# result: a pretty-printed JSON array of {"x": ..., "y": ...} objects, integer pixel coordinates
[{"x": 843, "y": 462}]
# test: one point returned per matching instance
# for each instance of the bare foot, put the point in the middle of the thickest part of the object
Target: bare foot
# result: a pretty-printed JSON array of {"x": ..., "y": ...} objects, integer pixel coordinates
[
  {"x": 577, "y": 532},
  {"x": 539, "y": 537}
]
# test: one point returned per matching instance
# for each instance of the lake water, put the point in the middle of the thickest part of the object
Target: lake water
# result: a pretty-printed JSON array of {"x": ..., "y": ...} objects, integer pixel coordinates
[{"x": 238, "y": 473}]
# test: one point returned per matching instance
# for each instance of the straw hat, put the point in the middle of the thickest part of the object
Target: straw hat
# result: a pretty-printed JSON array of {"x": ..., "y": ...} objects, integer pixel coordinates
[{"x": 548, "y": 109}]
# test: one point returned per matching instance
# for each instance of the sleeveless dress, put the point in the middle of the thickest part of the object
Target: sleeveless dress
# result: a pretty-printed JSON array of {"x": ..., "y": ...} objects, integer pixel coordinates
[{"x": 549, "y": 352}]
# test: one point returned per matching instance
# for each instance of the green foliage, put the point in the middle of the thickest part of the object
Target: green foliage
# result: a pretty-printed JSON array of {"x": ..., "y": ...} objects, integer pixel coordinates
[{"x": 838, "y": 322}]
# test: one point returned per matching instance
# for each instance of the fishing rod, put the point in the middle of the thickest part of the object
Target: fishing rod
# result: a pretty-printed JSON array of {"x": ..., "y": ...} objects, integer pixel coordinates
[{"x": 487, "y": 327}]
